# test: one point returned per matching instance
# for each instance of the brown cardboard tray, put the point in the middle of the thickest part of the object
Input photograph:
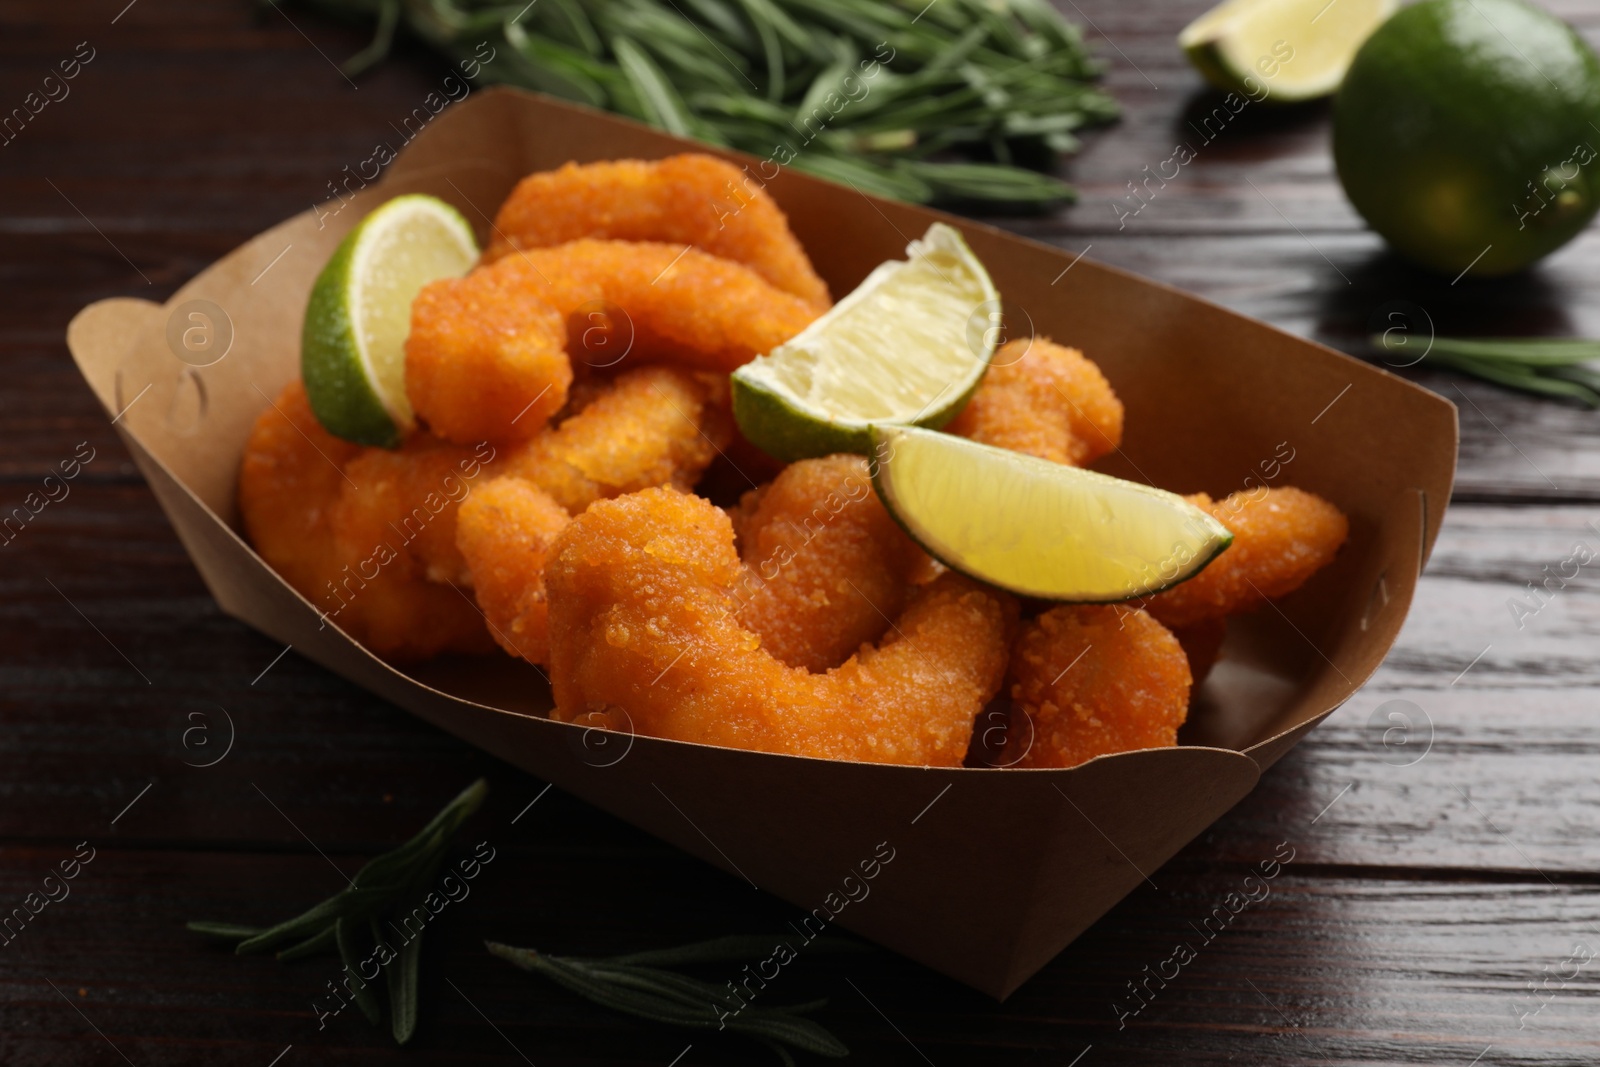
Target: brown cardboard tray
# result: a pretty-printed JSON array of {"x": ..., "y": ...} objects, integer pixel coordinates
[{"x": 993, "y": 871}]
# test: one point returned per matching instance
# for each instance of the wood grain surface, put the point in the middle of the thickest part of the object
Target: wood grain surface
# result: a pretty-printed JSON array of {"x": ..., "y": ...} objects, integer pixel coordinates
[{"x": 1446, "y": 874}]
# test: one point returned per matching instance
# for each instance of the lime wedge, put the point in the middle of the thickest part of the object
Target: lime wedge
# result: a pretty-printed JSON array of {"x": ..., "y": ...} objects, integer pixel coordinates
[
  {"x": 908, "y": 346},
  {"x": 1037, "y": 528},
  {"x": 1284, "y": 51},
  {"x": 352, "y": 348}
]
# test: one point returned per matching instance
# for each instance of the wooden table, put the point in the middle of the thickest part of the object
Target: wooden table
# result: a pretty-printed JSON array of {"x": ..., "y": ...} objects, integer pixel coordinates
[{"x": 1431, "y": 912}]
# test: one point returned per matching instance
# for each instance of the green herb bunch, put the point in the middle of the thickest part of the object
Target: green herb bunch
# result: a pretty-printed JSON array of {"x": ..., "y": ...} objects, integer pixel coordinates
[
  {"x": 639, "y": 984},
  {"x": 389, "y": 888},
  {"x": 1558, "y": 367},
  {"x": 918, "y": 100}
]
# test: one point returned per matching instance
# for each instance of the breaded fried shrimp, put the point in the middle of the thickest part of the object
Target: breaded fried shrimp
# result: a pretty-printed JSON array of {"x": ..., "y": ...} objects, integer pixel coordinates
[
  {"x": 825, "y": 567},
  {"x": 1281, "y": 537},
  {"x": 505, "y": 530},
  {"x": 289, "y": 484},
  {"x": 1046, "y": 400},
  {"x": 485, "y": 361},
  {"x": 405, "y": 619},
  {"x": 486, "y": 358},
  {"x": 652, "y": 426},
  {"x": 406, "y": 498},
  {"x": 644, "y": 636},
  {"x": 691, "y": 199},
  {"x": 1093, "y": 680}
]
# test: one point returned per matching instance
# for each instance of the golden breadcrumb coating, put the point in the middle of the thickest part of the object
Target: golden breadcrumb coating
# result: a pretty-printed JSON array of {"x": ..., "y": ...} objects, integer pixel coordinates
[
  {"x": 1281, "y": 537},
  {"x": 1046, "y": 400},
  {"x": 1092, "y": 680},
  {"x": 289, "y": 484},
  {"x": 505, "y": 530},
  {"x": 486, "y": 358},
  {"x": 407, "y": 498},
  {"x": 644, "y": 636},
  {"x": 650, "y": 426},
  {"x": 691, "y": 199},
  {"x": 825, "y": 567}
]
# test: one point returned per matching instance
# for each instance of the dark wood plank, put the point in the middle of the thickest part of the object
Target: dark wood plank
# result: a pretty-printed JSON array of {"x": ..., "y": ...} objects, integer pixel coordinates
[
  {"x": 1423, "y": 899},
  {"x": 1320, "y": 968}
]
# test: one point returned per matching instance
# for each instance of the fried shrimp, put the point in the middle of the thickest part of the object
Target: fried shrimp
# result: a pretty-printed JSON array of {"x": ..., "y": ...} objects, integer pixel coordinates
[
  {"x": 825, "y": 567},
  {"x": 691, "y": 199},
  {"x": 1094, "y": 680},
  {"x": 484, "y": 362},
  {"x": 652, "y": 426},
  {"x": 289, "y": 484},
  {"x": 1281, "y": 537},
  {"x": 1046, "y": 400},
  {"x": 486, "y": 358},
  {"x": 406, "y": 499},
  {"x": 505, "y": 530},
  {"x": 644, "y": 636}
]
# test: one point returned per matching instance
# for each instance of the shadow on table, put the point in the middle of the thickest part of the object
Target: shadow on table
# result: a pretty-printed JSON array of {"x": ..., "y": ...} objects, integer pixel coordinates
[
  {"x": 1388, "y": 293},
  {"x": 1212, "y": 114}
]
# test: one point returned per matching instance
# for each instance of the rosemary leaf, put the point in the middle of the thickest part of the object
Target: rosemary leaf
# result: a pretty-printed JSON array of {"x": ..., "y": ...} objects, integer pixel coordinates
[
  {"x": 731, "y": 949},
  {"x": 382, "y": 39},
  {"x": 624, "y": 984},
  {"x": 577, "y": 24},
  {"x": 1553, "y": 367},
  {"x": 348, "y": 902},
  {"x": 226, "y": 931},
  {"x": 866, "y": 176},
  {"x": 722, "y": 20},
  {"x": 993, "y": 182},
  {"x": 1540, "y": 352},
  {"x": 869, "y": 83},
  {"x": 1527, "y": 380},
  {"x": 771, "y": 48},
  {"x": 540, "y": 63},
  {"x": 321, "y": 941},
  {"x": 402, "y": 976},
  {"x": 1583, "y": 375},
  {"x": 386, "y": 885},
  {"x": 351, "y": 953},
  {"x": 663, "y": 106}
]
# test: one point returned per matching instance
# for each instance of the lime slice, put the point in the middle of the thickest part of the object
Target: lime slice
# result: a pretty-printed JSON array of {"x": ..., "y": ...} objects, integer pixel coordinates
[
  {"x": 1037, "y": 528},
  {"x": 908, "y": 346},
  {"x": 1284, "y": 51},
  {"x": 352, "y": 349}
]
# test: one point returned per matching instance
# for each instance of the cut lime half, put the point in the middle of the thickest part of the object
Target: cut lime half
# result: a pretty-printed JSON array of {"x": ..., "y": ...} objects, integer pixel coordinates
[
  {"x": 353, "y": 345},
  {"x": 1284, "y": 51},
  {"x": 1037, "y": 528},
  {"x": 908, "y": 346}
]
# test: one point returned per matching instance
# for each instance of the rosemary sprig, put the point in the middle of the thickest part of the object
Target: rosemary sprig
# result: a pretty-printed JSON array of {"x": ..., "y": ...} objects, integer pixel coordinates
[
  {"x": 639, "y": 984},
  {"x": 1557, "y": 367},
  {"x": 388, "y": 886},
  {"x": 876, "y": 92}
]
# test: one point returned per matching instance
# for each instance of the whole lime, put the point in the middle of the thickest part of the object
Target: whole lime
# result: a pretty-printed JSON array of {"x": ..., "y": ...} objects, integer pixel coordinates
[{"x": 1467, "y": 133}]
